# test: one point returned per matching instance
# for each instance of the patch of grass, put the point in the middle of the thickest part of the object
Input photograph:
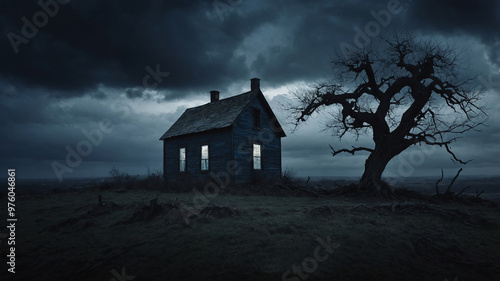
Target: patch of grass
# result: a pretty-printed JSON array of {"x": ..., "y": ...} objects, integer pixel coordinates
[{"x": 66, "y": 236}]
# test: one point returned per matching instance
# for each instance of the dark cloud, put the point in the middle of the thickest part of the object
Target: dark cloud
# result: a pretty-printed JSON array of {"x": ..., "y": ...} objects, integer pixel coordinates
[
  {"x": 474, "y": 18},
  {"x": 96, "y": 42},
  {"x": 140, "y": 64},
  {"x": 92, "y": 43},
  {"x": 98, "y": 95},
  {"x": 479, "y": 19},
  {"x": 133, "y": 93}
]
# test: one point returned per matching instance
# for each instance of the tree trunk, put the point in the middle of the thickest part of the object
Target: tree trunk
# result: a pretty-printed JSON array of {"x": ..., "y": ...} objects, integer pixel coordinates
[{"x": 371, "y": 181}]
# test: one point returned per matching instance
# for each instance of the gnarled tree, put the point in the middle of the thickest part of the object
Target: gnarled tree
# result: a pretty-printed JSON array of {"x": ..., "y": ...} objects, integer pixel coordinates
[{"x": 411, "y": 92}]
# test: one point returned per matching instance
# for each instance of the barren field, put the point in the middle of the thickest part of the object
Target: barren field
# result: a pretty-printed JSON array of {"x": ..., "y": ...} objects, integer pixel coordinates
[{"x": 69, "y": 236}]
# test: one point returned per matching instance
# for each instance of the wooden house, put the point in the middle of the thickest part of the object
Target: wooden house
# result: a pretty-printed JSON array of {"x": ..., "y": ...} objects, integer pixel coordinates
[{"x": 238, "y": 136}]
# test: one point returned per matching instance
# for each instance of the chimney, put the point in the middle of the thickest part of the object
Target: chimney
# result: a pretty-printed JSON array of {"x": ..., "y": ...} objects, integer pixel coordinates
[
  {"x": 214, "y": 96},
  {"x": 254, "y": 84}
]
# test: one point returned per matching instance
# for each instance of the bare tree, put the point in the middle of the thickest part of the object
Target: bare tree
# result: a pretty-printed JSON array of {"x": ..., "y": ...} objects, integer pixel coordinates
[{"x": 411, "y": 92}]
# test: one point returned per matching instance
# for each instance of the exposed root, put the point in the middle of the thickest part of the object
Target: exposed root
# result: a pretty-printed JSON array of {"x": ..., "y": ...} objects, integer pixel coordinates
[{"x": 452, "y": 196}]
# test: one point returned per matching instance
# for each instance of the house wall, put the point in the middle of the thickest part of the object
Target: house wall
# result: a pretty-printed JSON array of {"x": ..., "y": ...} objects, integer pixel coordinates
[
  {"x": 220, "y": 154},
  {"x": 244, "y": 135}
]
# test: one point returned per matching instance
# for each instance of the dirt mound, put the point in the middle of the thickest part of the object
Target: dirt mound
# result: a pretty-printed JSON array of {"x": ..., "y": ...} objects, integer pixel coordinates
[
  {"x": 144, "y": 212},
  {"x": 220, "y": 211},
  {"x": 85, "y": 214}
]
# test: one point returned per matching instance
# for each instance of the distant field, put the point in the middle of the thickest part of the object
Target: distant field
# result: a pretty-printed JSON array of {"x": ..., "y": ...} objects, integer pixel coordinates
[
  {"x": 426, "y": 184},
  {"x": 67, "y": 236}
]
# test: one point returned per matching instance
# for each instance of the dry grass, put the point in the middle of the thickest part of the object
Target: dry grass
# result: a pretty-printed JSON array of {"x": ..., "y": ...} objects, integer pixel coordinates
[{"x": 68, "y": 237}]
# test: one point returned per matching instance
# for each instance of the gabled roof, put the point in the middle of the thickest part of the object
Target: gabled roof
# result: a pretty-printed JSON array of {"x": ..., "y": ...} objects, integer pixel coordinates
[{"x": 214, "y": 115}]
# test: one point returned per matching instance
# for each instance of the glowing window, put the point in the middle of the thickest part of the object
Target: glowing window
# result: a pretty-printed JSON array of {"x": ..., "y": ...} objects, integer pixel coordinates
[
  {"x": 257, "y": 163},
  {"x": 182, "y": 159},
  {"x": 204, "y": 157}
]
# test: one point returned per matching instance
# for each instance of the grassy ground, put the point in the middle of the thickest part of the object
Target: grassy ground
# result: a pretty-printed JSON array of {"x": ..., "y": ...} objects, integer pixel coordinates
[{"x": 67, "y": 237}]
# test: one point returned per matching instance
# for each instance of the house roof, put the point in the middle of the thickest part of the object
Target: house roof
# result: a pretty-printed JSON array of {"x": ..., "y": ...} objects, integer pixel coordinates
[{"x": 214, "y": 115}]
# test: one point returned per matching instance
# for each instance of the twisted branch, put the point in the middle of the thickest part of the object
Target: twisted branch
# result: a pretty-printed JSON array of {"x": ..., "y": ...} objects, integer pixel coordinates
[{"x": 351, "y": 151}]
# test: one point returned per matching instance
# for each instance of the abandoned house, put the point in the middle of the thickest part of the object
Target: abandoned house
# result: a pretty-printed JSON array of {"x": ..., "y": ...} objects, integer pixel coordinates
[{"x": 238, "y": 136}]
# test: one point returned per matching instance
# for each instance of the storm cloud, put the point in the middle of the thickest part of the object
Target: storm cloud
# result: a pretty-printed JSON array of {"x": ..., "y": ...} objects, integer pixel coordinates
[{"x": 68, "y": 67}]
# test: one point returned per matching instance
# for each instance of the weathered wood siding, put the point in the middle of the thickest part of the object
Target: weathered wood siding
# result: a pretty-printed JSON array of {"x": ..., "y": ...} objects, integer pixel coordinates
[
  {"x": 245, "y": 135},
  {"x": 220, "y": 154}
]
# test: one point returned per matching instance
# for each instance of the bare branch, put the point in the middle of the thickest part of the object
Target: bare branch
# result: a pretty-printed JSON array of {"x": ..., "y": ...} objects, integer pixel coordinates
[
  {"x": 478, "y": 193},
  {"x": 454, "y": 156},
  {"x": 422, "y": 138},
  {"x": 351, "y": 151},
  {"x": 464, "y": 189},
  {"x": 448, "y": 190},
  {"x": 437, "y": 183}
]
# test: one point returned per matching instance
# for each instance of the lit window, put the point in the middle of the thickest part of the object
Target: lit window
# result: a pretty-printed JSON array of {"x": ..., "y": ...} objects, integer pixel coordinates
[
  {"x": 256, "y": 156},
  {"x": 204, "y": 157},
  {"x": 182, "y": 159}
]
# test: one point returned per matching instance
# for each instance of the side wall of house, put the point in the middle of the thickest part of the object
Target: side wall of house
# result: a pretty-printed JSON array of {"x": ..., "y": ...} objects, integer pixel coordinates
[
  {"x": 245, "y": 135},
  {"x": 220, "y": 154}
]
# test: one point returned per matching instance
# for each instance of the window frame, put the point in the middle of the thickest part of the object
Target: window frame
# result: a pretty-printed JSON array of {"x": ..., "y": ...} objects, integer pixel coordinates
[
  {"x": 256, "y": 119},
  {"x": 253, "y": 156},
  {"x": 207, "y": 160},
  {"x": 179, "y": 159}
]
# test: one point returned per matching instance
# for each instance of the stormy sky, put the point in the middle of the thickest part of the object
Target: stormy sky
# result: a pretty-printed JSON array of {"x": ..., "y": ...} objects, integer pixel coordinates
[{"x": 117, "y": 74}]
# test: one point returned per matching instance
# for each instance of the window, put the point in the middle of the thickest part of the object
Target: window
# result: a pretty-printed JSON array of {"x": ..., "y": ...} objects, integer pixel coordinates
[
  {"x": 256, "y": 119},
  {"x": 182, "y": 159},
  {"x": 204, "y": 157},
  {"x": 257, "y": 163}
]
